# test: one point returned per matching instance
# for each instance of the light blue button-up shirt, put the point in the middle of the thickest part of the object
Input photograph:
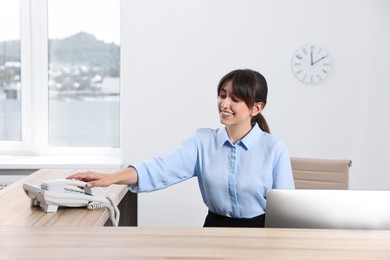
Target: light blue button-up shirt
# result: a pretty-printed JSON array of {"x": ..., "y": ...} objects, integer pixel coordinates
[{"x": 233, "y": 178}]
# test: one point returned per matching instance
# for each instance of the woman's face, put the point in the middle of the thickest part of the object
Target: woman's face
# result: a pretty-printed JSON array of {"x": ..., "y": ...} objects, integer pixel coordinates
[{"x": 232, "y": 110}]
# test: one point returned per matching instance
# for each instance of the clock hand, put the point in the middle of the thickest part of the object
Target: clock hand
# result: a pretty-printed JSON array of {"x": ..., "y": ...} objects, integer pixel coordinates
[
  {"x": 311, "y": 55},
  {"x": 319, "y": 60}
]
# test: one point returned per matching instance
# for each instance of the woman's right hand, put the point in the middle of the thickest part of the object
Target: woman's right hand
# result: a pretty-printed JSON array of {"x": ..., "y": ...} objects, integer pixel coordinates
[{"x": 95, "y": 179}]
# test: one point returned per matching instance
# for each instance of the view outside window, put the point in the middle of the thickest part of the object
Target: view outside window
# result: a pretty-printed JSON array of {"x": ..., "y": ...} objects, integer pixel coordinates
[
  {"x": 10, "y": 87},
  {"x": 83, "y": 73}
]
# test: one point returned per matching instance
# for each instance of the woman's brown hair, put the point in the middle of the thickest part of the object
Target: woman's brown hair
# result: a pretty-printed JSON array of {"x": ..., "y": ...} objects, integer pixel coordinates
[{"x": 251, "y": 87}]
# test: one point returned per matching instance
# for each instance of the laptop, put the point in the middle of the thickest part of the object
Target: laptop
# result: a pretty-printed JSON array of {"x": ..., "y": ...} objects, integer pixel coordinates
[{"x": 332, "y": 209}]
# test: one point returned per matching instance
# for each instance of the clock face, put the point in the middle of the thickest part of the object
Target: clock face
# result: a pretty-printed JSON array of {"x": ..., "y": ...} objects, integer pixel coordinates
[{"x": 311, "y": 64}]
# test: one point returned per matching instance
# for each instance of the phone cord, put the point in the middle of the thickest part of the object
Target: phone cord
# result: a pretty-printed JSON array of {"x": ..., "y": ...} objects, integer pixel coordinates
[{"x": 114, "y": 211}]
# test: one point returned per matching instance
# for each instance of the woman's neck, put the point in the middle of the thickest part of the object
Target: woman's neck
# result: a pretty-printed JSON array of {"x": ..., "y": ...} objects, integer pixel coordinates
[{"x": 237, "y": 132}]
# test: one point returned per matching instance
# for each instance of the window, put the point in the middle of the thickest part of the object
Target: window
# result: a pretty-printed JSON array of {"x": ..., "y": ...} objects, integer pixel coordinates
[
  {"x": 65, "y": 94},
  {"x": 10, "y": 98},
  {"x": 83, "y": 73}
]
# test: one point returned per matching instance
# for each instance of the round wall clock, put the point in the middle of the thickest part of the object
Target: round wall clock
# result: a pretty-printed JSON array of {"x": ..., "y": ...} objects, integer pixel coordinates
[{"x": 311, "y": 63}]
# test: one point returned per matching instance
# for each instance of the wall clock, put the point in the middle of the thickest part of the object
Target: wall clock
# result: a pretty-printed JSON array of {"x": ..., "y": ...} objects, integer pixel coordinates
[{"x": 311, "y": 64}]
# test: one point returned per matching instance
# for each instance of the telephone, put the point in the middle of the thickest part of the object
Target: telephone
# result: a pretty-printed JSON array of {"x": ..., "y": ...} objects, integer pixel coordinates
[{"x": 70, "y": 193}]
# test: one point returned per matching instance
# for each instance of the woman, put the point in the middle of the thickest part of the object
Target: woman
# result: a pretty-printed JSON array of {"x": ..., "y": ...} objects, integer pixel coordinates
[{"x": 235, "y": 165}]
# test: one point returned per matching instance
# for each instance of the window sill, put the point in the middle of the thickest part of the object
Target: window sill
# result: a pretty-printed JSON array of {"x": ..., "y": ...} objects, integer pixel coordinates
[{"x": 66, "y": 162}]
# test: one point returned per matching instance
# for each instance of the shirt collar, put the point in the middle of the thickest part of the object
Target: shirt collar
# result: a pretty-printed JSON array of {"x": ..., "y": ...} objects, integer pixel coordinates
[{"x": 247, "y": 142}]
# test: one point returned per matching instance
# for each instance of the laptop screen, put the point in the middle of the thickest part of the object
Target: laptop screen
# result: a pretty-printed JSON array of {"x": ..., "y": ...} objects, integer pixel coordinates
[{"x": 337, "y": 209}]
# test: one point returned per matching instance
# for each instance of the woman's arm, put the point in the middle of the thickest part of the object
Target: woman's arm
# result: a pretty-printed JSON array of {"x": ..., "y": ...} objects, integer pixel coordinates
[
  {"x": 126, "y": 176},
  {"x": 283, "y": 176}
]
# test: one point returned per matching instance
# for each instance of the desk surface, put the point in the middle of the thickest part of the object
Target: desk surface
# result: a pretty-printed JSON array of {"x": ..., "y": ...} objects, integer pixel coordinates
[
  {"x": 16, "y": 210},
  {"x": 191, "y": 243}
]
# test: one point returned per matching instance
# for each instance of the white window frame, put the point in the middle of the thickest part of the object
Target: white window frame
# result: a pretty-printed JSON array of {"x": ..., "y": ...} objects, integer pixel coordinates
[{"x": 34, "y": 89}]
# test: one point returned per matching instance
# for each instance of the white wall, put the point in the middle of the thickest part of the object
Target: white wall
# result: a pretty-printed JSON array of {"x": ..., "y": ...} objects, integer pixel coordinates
[{"x": 174, "y": 52}]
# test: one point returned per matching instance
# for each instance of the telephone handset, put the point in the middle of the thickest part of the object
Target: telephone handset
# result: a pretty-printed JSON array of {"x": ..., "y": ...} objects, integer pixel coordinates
[{"x": 70, "y": 193}]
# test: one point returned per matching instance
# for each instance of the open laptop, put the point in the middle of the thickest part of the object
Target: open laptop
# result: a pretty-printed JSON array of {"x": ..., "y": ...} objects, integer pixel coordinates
[{"x": 335, "y": 209}]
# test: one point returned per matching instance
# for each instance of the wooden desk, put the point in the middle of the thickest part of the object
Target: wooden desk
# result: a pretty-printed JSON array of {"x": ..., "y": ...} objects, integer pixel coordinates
[
  {"x": 191, "y": 243},
  {"x": 16, "y": 210}
]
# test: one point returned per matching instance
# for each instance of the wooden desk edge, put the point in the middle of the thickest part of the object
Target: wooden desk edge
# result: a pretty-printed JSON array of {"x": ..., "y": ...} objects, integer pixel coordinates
[{"x": 15, "y": 203}]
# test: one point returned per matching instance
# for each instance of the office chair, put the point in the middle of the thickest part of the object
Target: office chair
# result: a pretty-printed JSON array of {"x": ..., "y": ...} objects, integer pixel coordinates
[{"x": 320, "y": 173}]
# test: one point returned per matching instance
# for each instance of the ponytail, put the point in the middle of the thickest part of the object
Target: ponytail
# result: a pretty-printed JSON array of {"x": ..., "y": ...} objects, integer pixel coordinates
[{"x": 260, "y": 120}]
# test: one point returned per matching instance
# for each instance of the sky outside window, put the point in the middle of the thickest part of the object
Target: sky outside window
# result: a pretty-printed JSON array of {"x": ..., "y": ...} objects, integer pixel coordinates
[{"x": 97, "y": 17}]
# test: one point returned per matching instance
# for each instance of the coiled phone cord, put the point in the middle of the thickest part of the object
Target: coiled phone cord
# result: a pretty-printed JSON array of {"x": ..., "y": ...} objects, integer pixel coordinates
[{"x": 114, "y": 211}]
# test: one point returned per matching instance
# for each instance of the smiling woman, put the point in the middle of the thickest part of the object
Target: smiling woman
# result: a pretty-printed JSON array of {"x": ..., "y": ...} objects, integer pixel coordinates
[{"x": 235, "y": 165}]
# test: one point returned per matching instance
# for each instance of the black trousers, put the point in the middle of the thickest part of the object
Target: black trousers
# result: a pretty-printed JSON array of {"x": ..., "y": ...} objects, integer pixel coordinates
[{"x": 215, "y": 220}]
